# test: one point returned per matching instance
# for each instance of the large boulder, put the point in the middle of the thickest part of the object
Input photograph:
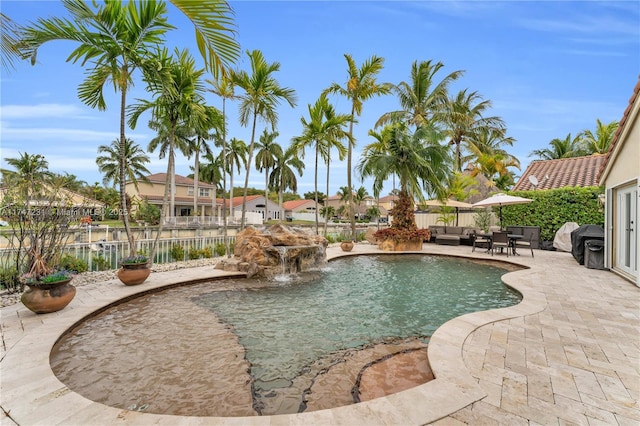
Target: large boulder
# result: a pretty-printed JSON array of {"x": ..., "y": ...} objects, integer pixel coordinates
[{"x": 279, "y": 249}]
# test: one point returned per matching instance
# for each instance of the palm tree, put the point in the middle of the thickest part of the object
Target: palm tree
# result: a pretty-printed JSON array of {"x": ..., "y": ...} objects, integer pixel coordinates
[
  {"x": 323, "y": 131},
  {"x": 223, "y": 87},
  {"x": 268, "y": 152},
  {"x": 135, "y": 160},
  {"x": 212, "y": 172},
  {"x": 346, "y": 198},
  {"x": 262, "y": 95},
  {"x": 599, "y": 142},
  {"x": 116, "y": 39},
  {"x": 561, "y": 148},
  {"x": 463, "y": 120},
  {"x": 9, "y": 41},
  {"x": 490, "y": 158},
  {"x": 235, "y": 158},
  {"x": 31, "y": 171},
  {"x": 179, "y": 99},
  {"x": 420, "y": 164},
  {"x": 211, "y": 120},
  {"x": 420, "y": 98},
  {"x": 283, "y": 175},
  {"x": 361, "y": 86},
  {"x": 360, "y": 195},
  {"x": 167, "y": 146}
]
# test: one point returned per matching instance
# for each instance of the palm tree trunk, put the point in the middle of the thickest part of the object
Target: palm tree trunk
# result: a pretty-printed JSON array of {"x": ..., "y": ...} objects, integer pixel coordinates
[
  {"x": 326, "y": 218},
  {"x": 266, "y": 191},
  {"x": 165, "y": 197},
  {"x": 316, "y": 188},
  {"x": 123, "y": 160},
  {"x": 349, "y": 184},
  {"x": 196, "y": 178},
  {"x": 172, "y": 203},
  {"x": 246, "y": 178}
]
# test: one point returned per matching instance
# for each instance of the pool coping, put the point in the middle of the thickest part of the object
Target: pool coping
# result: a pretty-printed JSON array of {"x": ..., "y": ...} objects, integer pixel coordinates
[{"x": 31, "y": 394}]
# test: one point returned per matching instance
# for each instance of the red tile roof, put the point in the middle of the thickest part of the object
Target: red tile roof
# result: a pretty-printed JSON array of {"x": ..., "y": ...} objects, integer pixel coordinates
[
  {"x": 294, "y": 204},
  {"x": 551, "y": 174},
  {"x": 621, "y": 127}
]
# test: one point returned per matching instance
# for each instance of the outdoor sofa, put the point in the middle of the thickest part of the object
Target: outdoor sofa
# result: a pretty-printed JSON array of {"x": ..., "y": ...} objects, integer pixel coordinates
[{"x": 453, "y": 235}]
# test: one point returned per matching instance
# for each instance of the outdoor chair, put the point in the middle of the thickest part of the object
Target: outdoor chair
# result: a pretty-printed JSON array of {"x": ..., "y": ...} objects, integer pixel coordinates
[
  {"x": 524, "y": 244},
  {"x": 481, "y": 241},
  {"x": 500, "y": 240}
]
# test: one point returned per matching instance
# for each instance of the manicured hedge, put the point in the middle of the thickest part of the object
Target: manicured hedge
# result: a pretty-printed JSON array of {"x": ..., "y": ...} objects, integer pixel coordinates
[{"x": 552, "y": 208}]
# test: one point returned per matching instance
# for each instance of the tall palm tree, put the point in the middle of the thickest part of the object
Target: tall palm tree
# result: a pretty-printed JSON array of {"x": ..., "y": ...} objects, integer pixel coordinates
[
  {"x": 283, "y": 175},
  {"x": 235, "y": 159},
  {"x": 212, "y": 172},
  {"x": 262, "y": 95},
  {"x": 418, "y": 160},
  {"x": 600, "y": 141},
  {"x": 178, "y": 99},
  {"x": 323, "y": 131},
  {"x": 359, "y": 196},
  {"x": 464, "y": 119},
  {"x": 561, "y": 148},
  {"x": 361, "y": 85},
  {"x": 268, "y": 152},
  {"x": 489, "y": 158},
  {"x": 31, "y": 171},
  {"x": 204, "y": 129},
  {"x": 223, "y": 87},
  {"x": 167, "y": 146},
  {"x": 421, "y": 98},
  {"x": 116, "y": 39},
  {"x": 134, "y": 166}
]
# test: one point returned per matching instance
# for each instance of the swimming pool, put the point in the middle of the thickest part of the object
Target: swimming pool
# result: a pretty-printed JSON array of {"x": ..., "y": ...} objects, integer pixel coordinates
[{"x": 160, "y": 352}]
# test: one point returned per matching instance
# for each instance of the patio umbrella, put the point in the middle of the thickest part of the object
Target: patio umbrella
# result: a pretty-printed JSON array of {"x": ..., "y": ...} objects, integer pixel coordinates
[
  {"x": 500, "y": 200},
  {"x": 449, "y": 203}
]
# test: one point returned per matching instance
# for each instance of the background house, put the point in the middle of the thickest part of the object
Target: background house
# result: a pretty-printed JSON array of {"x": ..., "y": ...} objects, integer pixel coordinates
[
  {"x": 153, "y": 192},
  {"x": 257, "y": 211},
  {"x": 620, "y": 174},
  {"x": 302, "y": 210}
]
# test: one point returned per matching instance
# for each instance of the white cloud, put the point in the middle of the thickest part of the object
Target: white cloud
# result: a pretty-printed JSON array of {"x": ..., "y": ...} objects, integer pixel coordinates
[{"x": 66, "y": 111}]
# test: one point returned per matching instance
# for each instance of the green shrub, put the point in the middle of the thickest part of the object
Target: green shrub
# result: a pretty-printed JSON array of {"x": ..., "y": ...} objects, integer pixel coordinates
[
  {"x": 552, "y": 208},
  {"x": 193, "y": 253},
  {"x": 99, "y": 263},
  {"x": 177, "y": 252},
  {"x": 220, "y": 249},
  {"x": 331, "y": 238},
  {"x": 9, "y": 280},
  {"x": 72, "y": 263},
  {"x": 207, "y": 252}
]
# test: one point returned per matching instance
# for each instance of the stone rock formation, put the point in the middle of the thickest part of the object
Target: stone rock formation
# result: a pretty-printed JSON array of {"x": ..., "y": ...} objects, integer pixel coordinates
[{"x": 279, "y": 249}]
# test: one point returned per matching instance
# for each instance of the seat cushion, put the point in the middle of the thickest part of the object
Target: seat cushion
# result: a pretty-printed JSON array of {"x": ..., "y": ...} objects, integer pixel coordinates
[{"x": 452, "y": 240}]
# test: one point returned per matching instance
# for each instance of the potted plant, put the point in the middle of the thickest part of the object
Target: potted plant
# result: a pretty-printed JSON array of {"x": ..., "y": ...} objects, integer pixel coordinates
[
  {"x": 47, "y": 291},
  {"x": 134, "y": 269},
  {"x": 403, "y": 234}
]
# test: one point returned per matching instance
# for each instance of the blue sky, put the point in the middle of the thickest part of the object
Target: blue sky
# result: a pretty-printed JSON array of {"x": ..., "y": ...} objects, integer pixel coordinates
[{"x": 549, "y": 68}]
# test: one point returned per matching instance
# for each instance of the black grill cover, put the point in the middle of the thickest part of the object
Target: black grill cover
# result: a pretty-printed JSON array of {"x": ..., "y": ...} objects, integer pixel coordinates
[{"x": 582, "y": 234}]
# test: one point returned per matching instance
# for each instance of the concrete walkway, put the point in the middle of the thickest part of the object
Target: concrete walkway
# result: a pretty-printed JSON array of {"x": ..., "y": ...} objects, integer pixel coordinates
[{"x": 568, "y": 354}]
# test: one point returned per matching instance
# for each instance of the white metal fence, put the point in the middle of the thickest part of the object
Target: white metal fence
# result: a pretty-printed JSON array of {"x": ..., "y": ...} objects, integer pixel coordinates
[{"x": 103, "y": 255}]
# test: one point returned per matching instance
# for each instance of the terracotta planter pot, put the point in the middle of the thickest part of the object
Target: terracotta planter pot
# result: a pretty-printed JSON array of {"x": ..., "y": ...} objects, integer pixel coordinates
[
  {"x": 346, "y": 245},
  {"x": 134, "y": 274},
  {"x": 50, "y": 297}
]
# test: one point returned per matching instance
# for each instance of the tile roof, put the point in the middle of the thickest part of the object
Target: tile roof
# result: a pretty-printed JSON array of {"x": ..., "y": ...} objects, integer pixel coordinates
[
  {"x": 294, "y": 204},
  {"x": 624, "y": 121},
  {"x": 552, "y": 174}
]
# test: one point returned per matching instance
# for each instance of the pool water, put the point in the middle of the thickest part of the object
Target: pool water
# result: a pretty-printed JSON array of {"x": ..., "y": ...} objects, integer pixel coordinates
[
  {"x": 241, "y": 347},
  {"x": 353, "y": 302}
]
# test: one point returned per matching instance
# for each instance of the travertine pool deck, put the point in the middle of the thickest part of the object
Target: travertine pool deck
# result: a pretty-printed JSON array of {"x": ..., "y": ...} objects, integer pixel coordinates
[{"x": 569, "y": 353}]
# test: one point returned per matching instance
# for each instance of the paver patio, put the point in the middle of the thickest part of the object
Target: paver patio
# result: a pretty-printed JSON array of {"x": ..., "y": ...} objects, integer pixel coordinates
[{"x": 568, "y": 354}]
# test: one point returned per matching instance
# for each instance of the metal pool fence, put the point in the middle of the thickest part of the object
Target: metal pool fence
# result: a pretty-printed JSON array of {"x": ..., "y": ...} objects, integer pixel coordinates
[{"x": 104, "y": 255}]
